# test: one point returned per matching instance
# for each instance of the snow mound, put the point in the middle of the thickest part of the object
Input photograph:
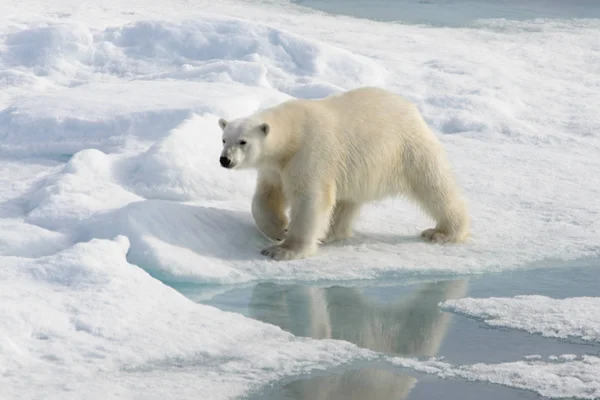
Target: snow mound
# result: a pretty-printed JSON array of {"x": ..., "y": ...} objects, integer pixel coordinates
[
  {"x": 173, "y": 70},
  {"x": 229, "y": 50},
  {"x": 210, "y": 49},
  {"x": 50, "y": 50},
  {"x": 561, "y": 318},
  {"x": 184, "y": 166},
  {"x": 91, "y": 317},
  {"x": 30, "y": 241},
  {"x": 166, "y": 240},
  {"x": 83, "y": 187},
  {"x": 113, "y": 117},
  {"x": 565, "y": 376}
]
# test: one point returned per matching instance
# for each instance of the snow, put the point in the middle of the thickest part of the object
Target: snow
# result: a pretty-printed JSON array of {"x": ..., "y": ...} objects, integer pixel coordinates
[
  {"x": 109, "y": 178},
  {"x": 136, "y": 108},
  {"x": 561, "y": 318},
  {"x": 562, "y": 376}
]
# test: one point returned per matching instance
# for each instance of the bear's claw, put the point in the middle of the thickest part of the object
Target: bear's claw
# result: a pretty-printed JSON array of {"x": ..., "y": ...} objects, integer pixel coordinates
[
  {"x": 435, "y": 236},
  {"x": 280, "y": 252}
]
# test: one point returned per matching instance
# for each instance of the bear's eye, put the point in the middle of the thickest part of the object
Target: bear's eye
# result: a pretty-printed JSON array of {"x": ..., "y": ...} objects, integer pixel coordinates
[
  {"x": 223, "y": 141},
  {"x": 242, "y": 142}
]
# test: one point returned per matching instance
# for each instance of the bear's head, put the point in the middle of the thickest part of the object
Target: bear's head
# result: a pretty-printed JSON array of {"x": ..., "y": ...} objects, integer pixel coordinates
[{"x": 243, "y": 142}]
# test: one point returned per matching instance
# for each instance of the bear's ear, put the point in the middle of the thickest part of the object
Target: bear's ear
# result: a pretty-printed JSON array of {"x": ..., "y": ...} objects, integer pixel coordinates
[
  {"x": 222, "y": 123},
  {"x": 264, "y": 128}
]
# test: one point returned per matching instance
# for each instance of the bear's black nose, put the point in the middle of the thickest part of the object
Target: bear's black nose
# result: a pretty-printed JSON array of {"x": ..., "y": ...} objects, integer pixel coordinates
[{"x": 225, "y": 162}]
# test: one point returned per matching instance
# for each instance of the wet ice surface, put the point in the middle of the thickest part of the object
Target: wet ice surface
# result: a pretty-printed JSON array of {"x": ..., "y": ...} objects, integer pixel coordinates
[
  {"x": 577, "y": 317},
  {"x": 403, "y": 319}
]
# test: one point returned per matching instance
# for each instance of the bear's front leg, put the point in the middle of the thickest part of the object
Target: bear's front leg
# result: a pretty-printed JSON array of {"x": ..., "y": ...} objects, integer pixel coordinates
[
  {"x": 268, "y": 209},
  {"x": 310, "y": 219}
]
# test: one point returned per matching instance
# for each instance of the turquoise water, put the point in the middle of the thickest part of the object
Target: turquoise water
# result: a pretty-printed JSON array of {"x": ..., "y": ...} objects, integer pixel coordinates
[
  {"x": 455, "y": 13},
  {"x": 402, "y": 318}
]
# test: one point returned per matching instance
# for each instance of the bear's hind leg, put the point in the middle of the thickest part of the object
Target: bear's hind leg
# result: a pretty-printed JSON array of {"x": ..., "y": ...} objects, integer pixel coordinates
[
  {"x": 310, "y": 218},
  {"x": 268, "y": 209},
  {"x": 451, "y": 216},
  {"x": 436, "y": 190},
  {"x": 452, "y": 221},
  {"x": 342, "y": 221}
]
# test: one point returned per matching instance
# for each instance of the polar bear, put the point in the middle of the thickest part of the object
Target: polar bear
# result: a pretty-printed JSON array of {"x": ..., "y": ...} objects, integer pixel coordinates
[{"x": 325, "y": 158}]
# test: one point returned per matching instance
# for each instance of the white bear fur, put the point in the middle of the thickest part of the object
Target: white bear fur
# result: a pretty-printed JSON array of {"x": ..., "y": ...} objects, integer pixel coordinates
[{"x": 325, "y": 158}]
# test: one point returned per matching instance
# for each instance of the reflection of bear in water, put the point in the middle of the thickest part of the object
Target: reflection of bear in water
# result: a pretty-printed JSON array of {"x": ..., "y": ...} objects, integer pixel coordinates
[
  {"x": 413, "y": 326},
  {"x": 325, "y": 158}
]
